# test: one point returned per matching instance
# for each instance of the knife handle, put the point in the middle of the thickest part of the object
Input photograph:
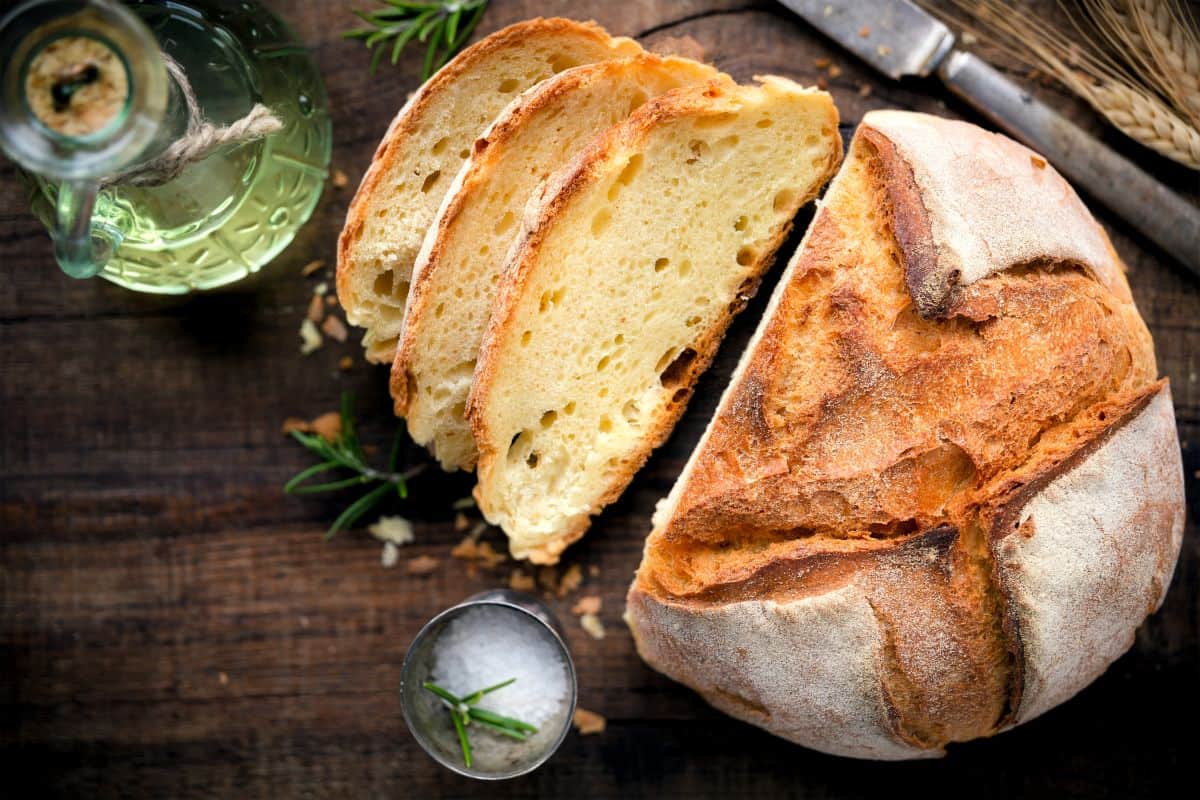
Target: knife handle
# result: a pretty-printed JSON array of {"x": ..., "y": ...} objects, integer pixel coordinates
[{"x": 1154, "y": 210}]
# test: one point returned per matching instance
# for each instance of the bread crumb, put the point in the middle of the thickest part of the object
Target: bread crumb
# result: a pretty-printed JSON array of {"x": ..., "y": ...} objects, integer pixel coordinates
[
  {"x": 465, "y": 549},
  {"x": 822, "y": 83},
  {"x": 295, "y": 424},
  {"x": 223, "y": 678},
  {"x": 311, "y": 267},
  {"x": 487, "y": 555},
  {"x": 334, "y": 328},
  {"x": 461, "y": 523},
  {"x": 592, "y": 624},
  {"x": 835, "y": 71},
  {"x": 473, "y": 550},
  {"x": 521, "y": 581},
  {"x": 969, "y": 38},
  {"x": 345, "y": 363},
  {"x": 822, "y": 63},
  {"x": 864, "y": 31},
  {"x": 594, "y": 570},
  {"x": 394, "y": 530},
  {"x": 330, "y": 300},
  {"x": 316, "y": 309},
  {"x": 864, "y": 90},
  {"x": 328, "y": 426},
  {"x": 422, "y": 565},
  {"x": 310, "y": 338},
  {"x": 321, "y": 288},
  {"x": 1038, "y": 162},
  {"x": 588, "y": 722},
  {"x": 828, "y": 12},
  {"x": 883, "y": 50},
  {"x": 570, "y": 580},
  {"x": 587, "y": 605},
  {"x": 339, "y": 180},
  {"x": 463, "y": 503},
  {"x": 390, "y": 555}
]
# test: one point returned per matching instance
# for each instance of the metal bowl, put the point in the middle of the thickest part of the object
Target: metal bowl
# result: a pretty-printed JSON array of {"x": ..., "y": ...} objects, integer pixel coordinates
[{"x": 426, "y": 715}]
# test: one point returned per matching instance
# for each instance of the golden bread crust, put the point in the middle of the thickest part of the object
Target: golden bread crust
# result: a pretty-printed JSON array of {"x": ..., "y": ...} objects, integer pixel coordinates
[{"x": 856, "y": 426}]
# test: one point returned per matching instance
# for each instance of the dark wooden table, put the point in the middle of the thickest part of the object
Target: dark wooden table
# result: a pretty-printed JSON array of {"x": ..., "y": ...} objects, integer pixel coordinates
[{"x": 172, "y": 625}]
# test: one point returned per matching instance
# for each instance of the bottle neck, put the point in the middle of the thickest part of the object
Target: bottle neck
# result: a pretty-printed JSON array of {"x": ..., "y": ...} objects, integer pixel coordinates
[{"x": 86, "y": 91}]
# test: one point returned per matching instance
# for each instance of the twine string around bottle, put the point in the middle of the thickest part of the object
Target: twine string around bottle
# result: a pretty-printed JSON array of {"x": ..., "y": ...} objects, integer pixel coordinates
[{"x": 200, "y": 138}]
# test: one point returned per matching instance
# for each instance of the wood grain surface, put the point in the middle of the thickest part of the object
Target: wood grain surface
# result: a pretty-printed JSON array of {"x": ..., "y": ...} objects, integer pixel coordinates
[{"x": 171, "y": 625}]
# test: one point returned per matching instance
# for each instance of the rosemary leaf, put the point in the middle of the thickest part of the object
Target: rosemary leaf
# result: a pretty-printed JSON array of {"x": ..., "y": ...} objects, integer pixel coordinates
[
  {"x": 467, "y": 31},
  {"x": 332, "y": 486},
  {"x": 346, "y": 453},
  {"x": 430, "y": 52},
  {"x": 429, "y": 25},
  {"x": 356, "y": 509},
  {"x": 445, "y": 694},
  {"x": 437, "y": 25},
  {"x": 409, "y": 6},
  {"x": 475, "y": 698},
  {"x": 462, "y": 736},
  {"x": 501, "y": 729},
  {"x": 483, "y": 715},
  {"x": 315, "y": 469},
  {"x": 462, "y": 710},
  {"x": 409, "y": 32}
]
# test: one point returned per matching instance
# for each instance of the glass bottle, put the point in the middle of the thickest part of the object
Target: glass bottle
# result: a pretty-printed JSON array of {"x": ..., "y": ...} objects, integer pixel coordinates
[{"x": 85, "y": 95}]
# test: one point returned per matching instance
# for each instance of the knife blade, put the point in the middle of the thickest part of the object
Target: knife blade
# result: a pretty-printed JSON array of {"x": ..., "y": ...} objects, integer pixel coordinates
[
  {"x": 895, "y": 37},
  {"x": 900, "y": 39}
]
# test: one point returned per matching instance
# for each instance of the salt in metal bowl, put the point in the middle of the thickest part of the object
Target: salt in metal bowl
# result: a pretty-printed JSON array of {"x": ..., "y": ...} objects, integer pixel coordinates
[{"x": 426, "y": 714}]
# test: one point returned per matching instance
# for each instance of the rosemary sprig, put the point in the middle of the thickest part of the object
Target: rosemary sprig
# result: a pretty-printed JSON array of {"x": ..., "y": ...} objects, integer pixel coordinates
[
  {"x": 463, "y": 712},
  {"x": 443, "y": 27},
  {"x": 346, "y": 453}
]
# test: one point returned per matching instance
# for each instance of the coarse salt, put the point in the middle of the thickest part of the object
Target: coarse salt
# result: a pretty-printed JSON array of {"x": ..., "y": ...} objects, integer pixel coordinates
[{"x": 487, "y": 645}]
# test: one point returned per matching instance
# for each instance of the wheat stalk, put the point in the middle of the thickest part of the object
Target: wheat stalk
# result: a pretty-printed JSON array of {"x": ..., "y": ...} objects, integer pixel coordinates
[
  {"x": 1171, "y": 35},
  {"x": 1151, "y": 91},
  {"x": 1157, "y": 37}
]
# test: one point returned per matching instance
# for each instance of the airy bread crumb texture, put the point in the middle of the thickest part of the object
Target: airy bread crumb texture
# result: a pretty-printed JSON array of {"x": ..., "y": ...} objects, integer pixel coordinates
[
  {"x": 463, "y": 256},
  {"x": 423, "y": 150},
  {"x": 624, "y": 280}
]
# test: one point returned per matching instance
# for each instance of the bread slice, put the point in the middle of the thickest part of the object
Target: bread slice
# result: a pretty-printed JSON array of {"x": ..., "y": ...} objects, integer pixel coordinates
[
  {"x": 943, "y": 487},
  {"x": 459, "y": 267},
  {"x": 422, "y": 151},
  {"x": 629, "y": 266}
]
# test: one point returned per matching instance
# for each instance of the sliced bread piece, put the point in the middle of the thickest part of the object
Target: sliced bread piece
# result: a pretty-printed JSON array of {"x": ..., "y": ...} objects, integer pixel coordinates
[
  {"x": 459, "y": 267},
  {"x": 630, "y": 264},
  {"x": 423, "y": 150}
]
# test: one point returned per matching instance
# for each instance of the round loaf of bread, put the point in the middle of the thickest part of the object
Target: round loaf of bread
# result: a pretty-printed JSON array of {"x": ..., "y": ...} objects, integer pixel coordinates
[{"x": 944, "y": 486}]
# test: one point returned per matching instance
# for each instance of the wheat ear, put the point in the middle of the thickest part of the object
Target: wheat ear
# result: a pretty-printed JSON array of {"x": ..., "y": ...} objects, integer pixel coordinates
[
  {"x": 1170, "y": 33},
  {"x": 1142, "y": 118},
  {"x": 1090, "y": 69}
]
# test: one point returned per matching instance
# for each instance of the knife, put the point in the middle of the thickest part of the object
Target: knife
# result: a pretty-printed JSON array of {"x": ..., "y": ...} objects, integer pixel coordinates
[{"x": 898, "y": 38}]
